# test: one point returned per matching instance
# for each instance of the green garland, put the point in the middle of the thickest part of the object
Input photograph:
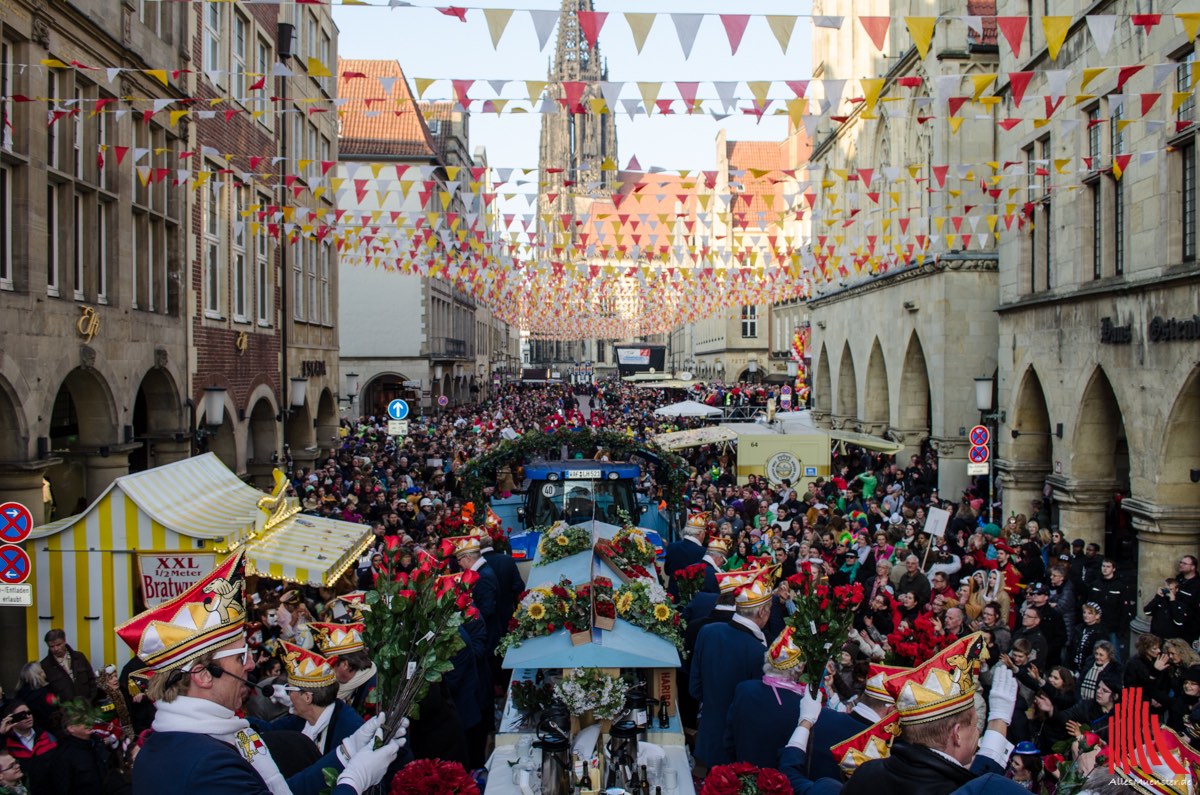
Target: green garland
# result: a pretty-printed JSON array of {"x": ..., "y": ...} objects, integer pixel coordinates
[{"x": 480, "y": 473}]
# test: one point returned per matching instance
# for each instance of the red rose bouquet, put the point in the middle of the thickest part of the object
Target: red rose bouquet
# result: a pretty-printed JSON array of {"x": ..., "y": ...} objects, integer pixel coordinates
[
  {"x": 689, "y": 580},
  {"x": 433, "y": 777},
  {"x": 823, "y": 617},
  {"x": 743, "y": 778},
  {"x": 411, "y": 631},
  {"x": 918, "y": 643},
  {"x": 604, "y": 606}
]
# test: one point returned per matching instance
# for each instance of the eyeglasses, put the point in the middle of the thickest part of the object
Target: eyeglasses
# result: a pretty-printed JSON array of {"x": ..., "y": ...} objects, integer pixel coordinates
[
  {"x": 7, "y": 768},
  {"x": 243, "y": 651}
]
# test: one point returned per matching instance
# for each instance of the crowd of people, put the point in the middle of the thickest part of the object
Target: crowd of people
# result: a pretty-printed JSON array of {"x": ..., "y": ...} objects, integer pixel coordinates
[{"x": 282, "y": 684}]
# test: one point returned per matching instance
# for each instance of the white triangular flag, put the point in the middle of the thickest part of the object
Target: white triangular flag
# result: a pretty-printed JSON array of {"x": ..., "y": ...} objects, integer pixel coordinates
[
  {"x": 543, "y": 25},
  {"x": 1102, "y": 26},
  {"x": 725, "y": 92},
  {"x": 686, "y": 28}
]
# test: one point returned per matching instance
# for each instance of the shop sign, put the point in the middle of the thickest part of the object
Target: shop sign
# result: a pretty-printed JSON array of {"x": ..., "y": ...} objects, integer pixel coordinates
[
  {"x": 312, "y": 368},
  {"x": 16, "y": 595},
  {"x": 165, "y": 575},
  {"x": 1173, "y": 329},
  {"x": 1112, "y": 334}
]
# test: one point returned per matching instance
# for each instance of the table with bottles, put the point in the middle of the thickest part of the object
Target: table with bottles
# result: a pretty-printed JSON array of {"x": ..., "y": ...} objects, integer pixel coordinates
[{"x": 514, "y": 764}]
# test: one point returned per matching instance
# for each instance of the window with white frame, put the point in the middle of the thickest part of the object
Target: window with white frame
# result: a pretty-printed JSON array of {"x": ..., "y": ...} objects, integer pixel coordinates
[
  {"x": 211, "y": 223},
  {"x": 328, "y": 58},
  {"x": 263, "y": 66},
  {"x": 1187, "y": 164},
  {"x": 76, "y": 121},
  {"x": 78, "y": 256},
  {"x": 104, "y": 210},
  {"x": 241, "y": 275},
  {"x": 6, "y": 228},
  {"x": 214, "y": 24},
  {"x": 6, "y": 90},
  {"x": 312, "y": 260},
  {"x": 135, "y": 261},
  {"x": 297, "y": 252},
  {"x": 53, "y": 84},
  {"x": 326, "y": 259},
  {"x": 240, "y": 46},
  {"x": 1117, "y": 132},
  {"x": 262, "y": 269},
  {"x": 749, "y": 322},
  {"x": 52, "y": 238},
  {"x": 1184, "y": 83},
  {"x": 310, "y": 36}
]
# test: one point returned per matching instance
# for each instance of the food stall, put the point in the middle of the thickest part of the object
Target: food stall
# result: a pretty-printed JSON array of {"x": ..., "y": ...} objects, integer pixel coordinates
[
  {"x": 152, "y": 534},
  {"x": 626, "y": 648}
]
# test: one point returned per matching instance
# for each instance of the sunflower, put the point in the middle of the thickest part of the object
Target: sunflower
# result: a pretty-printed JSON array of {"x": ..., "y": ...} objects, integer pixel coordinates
[
  {"x": 537, "y": 611},
  {"x": 624, "y": 602},
  {"x": 662, "y": 612},
  {"x": 562, "y": 541}
]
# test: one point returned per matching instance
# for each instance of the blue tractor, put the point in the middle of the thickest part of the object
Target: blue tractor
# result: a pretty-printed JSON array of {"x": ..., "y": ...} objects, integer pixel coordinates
[{"x": 578, "y": 491}]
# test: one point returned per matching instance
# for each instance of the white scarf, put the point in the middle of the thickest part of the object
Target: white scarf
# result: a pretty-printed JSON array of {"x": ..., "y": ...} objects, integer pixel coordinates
[
  {"x": 199, "y": 716},
  {"x": 316, "y": 731},
  {"x": 346, "y": 691}
]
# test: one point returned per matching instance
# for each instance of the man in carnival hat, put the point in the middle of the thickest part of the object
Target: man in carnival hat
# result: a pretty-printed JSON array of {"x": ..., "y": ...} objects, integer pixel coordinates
[
  {"x": 686, "y": 551},
  {"x": 356, "y": 675},
  {"x": 316, "y": 711},
  {"x": 764, "y": 711},
  {"x": 485, "y": 593},
  {"x": 726, "y": 655},
  {"x": 715, "y": 555},
  {"x": 834, "y": 727},
  {"x": 940, "y": 749},
  {"x": 196, "y": 647},
  {"x": 705, "y": 609}
]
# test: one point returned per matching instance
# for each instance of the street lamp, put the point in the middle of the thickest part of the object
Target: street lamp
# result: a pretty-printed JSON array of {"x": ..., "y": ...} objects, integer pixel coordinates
[
  {"x": 792, "y": 369},
  {"x": 753, "y": 367},
  {"x": 297, "y": 392},
  {"x": 214, "y": 406},
  {"x": 983, "y": 394}
]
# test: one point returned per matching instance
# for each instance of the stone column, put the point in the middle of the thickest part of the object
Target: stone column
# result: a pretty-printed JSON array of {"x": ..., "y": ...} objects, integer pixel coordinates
[
  {"x": 1022, "y": 483},
  {"x": 842, "y": 421},
  {"x": 1164, "y": 534},
  {"x": 952, "y": 466},
  {"x": 168, "y": 451},
  {"x": 22, "y": 482},
  {"x": 821, "y": 418},
  {"x": 101, "y": 470},
  {"x": 911, "y": 438},
  {"x": 1081, "y": 507}
]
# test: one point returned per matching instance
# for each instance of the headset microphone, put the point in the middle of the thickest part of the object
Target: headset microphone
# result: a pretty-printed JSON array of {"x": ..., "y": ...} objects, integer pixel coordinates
[{"x": 217, "y": 672}]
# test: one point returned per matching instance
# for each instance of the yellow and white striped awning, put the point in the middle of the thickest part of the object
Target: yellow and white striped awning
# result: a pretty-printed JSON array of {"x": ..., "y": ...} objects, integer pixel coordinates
[{"x": 308, "y": 549}]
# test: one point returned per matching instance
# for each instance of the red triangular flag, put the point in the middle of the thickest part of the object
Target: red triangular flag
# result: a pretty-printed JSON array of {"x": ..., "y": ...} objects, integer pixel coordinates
[
  {"x": 1019, "y": 82},
  {"x": 461, "y": 87},
  {"x": 939, "y": 173},
  {"x": 1127, "y": 72},
  {"x": 590, "y": 23},
  {"x": 798, "y": 87},
  {"x": 877, "y": 29},
  {"x": 1013, "y": 30},
  {"x": 452, "y": 11},
  {"x": 956, "y": 104},
  {"x": 574, "y": 90},
  {"x": 1008, "y": 124},
  {"x": 1148, "y": 101},
  {"x": 735, "y": 26},
  {"x": 1145, "y": 21}
]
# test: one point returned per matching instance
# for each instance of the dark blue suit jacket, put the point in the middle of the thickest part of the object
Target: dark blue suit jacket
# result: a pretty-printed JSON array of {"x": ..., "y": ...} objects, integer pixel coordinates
[
  {"x": 345, "y": 721},
  {"x": 792, "y": 763},
  {"x": 759, "y": 726},
  {"x": 201, "y": 765},
  {"x": 512, "y": 585},
  {"x": 699, "y": 608},
  {"x": 710, "y": 579},
  {"x": 463, "y": 679},
  {"x": 679, "y": 555},
  {"x": 832, "y": 727},
  {"x": 726, "y": 655},
  {"x": 486, "y": 596}
]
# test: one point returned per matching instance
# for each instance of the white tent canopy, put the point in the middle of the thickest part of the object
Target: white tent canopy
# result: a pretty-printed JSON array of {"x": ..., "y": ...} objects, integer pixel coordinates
[{"x": 688, "y": 408}]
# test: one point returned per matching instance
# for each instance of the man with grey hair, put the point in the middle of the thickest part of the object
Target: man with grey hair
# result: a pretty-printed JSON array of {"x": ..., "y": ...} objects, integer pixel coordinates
[
  {"x": 913, "y": 579},
  {"x": 955, "y": 622},
  {"x": 686, "y": 551}
]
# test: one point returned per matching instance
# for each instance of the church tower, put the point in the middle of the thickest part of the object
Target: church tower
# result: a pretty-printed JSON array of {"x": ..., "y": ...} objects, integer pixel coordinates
[{"x": 576, "y": 141}]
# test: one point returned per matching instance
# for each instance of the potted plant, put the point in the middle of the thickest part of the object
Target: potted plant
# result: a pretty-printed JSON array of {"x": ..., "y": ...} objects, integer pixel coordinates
[
  {"x": 579, "y": 612},
  {"x": 591, "y": 694},
  {"x": 645, "y": 604},
  {"x": 604, "y": 604}
]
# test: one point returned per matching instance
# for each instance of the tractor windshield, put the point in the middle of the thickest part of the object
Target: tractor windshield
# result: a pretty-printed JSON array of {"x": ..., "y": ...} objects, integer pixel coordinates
[{"x": 575, "y": 501}]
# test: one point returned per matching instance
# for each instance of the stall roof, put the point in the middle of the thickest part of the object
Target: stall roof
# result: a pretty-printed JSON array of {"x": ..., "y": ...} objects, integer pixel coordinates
[
  {"x": 310, "y": 550},
  {"x": 688, "y": 408},
  {"x": 679, "y": 440},
  {"x": 197, "y": 497},
  {"x": 670, "y": 383}
]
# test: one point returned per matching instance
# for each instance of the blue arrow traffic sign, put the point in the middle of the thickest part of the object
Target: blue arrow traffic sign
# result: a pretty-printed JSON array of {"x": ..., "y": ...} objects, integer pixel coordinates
[{"x": 397, "y": 409}]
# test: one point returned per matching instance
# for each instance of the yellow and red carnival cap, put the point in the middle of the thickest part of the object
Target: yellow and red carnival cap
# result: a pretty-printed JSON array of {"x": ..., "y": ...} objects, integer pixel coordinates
[
  {"x": 755, "y": 593},
  {"x": 943, "y": 686},
  {"x": 306, "y": 668},
  {"x": 335, "y": 639},
  {"x": 878, "y": 674},
  {"x": 784, "y": 653},
  {"x": 730, "y": 581},
  {"x": 203, "y": 618},
  {"x": 874, "y": 742}
]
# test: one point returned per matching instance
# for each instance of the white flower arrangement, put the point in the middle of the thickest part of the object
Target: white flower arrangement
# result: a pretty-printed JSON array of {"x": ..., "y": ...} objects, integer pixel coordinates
[
  {"x": 590, "y": 689},
  {"x": 654, "y": 591}
]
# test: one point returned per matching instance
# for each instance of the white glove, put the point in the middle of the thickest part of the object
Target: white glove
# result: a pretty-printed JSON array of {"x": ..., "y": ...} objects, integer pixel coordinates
[
  {"x": 810, "y": 710},
  {"x": 1003, "y": 698},
  {"x": 279, "y": 695},
  {"x": 369, "y": 765},
  {"x": 364, "y": 736}
]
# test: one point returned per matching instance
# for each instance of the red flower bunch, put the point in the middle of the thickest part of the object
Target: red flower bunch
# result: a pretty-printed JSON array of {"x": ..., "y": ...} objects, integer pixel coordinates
[
  {"x": 823, "y": 617},
  {"x": 689, "y": 580},
  {"x": 918, "y": 643},
  {"x": 742, "y": 778},
  {"x": 433, "y": 777}
]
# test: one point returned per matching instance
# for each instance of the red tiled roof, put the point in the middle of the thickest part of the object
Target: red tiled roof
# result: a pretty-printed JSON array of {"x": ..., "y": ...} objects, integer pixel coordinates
[
  {"x": 379, "y": 124},
  {"x": 756, "y": 193},
  {"x": 987, "y": 10}
]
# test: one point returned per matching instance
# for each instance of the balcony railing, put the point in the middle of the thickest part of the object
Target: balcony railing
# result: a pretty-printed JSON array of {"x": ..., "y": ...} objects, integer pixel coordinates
[{"x": 449, "y": 348}]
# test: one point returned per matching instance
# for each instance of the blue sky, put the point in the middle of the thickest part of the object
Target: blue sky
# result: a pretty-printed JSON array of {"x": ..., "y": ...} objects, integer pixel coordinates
[{"x": 430, "y": 44}]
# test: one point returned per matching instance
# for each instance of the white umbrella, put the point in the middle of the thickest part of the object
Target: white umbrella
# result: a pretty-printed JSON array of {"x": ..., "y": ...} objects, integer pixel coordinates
[{"x": 688, "y": 408}]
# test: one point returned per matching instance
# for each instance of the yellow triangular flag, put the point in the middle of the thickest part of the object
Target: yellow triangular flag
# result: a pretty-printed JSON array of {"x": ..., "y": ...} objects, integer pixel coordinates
[
  {"x": 759, "y": 89},
  {"x": 598, "y": 105},
  {"x": 497, "y": 21},
  {"x": 921, "y": 30},
  {"x": 1056, "y": 29},
  {"x": 535, "y": 89},
  {"x": 955, "y": 123},
  {"x": 158, "y": 74},
  {"x": 53, "y": 63},
  {"x": 1090, "y": 74},
  {"x": 423, "y": 84},
  {"x": 1178, "y": 98},
  {"x": 176, "y": 115},
  {"x": 318, "y": 69},
  {"x": 1190, "y": 22},
  {"x": 872, "y": 88},
  {"x": 782, "y": 26},
  {"x": 982, "y": 83},
  {"x": 639, "y": 27},
  {"x": 649, "y": 92}
]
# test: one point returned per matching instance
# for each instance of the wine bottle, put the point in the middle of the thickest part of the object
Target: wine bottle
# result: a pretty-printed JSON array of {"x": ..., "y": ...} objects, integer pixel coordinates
[
  {"x": 645, "y": 782},
  {"x": 664, "y": 719}
]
